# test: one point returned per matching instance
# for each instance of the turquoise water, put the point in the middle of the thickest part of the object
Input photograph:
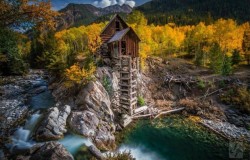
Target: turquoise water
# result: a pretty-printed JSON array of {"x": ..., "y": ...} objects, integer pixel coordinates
[
  {"x": 171, "y": 138},
  {"x": 174, "y": 138},
  {"x": 73, "y": 142},
  {"x": 42, "y": 101}
]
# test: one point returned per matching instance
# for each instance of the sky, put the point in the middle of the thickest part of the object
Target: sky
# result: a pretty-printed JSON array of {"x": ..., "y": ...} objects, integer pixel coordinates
[{"x": 59, "y": 4}]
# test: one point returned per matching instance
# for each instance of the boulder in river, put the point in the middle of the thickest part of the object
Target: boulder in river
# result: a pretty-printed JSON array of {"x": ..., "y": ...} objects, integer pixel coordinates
[
  {"x": 53, "y": 126},
  {"x": 84, "y": 123},
  {"x": 47, "y": 151}
]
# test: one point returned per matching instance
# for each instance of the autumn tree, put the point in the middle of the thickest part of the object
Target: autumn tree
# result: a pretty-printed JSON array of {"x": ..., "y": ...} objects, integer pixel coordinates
[
  {"x": 77, "y": 75},
  {"x": 198, "y": 43},
  {"x": 246, "y": 45},
  {"x": 11, "y": 60},
  {"x": 137, "y": 17},
  {"x": 16, "y": 13}
]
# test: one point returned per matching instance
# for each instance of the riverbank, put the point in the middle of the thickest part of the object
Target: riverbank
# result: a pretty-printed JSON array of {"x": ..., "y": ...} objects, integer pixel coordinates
[{"x": 82, "y": 116}]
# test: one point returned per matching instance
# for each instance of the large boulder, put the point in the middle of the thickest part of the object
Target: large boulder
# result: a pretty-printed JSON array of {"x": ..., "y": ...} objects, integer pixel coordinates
[
  {"x": 87, "y": 124},
  {"x": 47, "y": 151},
  {"x": 95, "y": 99},
  {"x": 12, "y": 112},
  {"x": 94, "y": 117},
  {"x": 104, "y": 138},
  {"x": 53, "y": 126},
  {"x": 84, "y": 123}
]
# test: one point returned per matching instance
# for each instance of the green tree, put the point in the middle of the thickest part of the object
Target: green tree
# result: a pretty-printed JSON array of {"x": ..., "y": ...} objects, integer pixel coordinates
[
  {"x": 216, "y": 58},
  {"x": 11, "y": 61},
  {"x": 236, "y": 58},
  {"x": 227, "y": 66},
  {"x": 137, "y": 17}
]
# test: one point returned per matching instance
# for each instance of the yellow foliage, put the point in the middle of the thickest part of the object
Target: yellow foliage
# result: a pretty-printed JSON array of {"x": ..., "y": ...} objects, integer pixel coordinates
[
  {"x": 77, "y": 75},
  {"x": 94, "y": 39},
  {"x": 194, "y": 119}
]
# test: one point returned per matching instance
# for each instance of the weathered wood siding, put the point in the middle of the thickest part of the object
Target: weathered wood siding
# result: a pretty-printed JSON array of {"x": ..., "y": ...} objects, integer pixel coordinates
[
  {"x": 111, "y": 29},
  {"x": 132, "y": 44}
]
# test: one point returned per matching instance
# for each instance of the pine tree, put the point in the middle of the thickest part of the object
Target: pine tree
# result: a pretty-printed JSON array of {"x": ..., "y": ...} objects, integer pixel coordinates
[
  {"x": 227, "y": 66},
  {"x": 216, "y": 58},
  {"x": 236, "y": 57}
]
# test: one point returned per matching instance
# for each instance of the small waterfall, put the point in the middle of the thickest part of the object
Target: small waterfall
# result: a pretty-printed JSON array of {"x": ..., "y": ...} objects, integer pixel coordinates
[
  {"x": 21, "y": 138},
  {"x": 73, "y": 142},
  {"x": 32, "y": 122}
]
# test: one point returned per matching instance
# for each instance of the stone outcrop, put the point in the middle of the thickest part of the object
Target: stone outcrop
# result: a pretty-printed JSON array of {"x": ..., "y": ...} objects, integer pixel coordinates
[
  {"x": 94, "y": 117},
  {"x": 92, "y": 112},
  {"x": 96, "y": 152},
  {"x": 54, "y": 124},
  {"x": 108, "y": 76},
  {"x": 95, "y": 98},
  {"x": 84, "y": 123},
  {"x": 47, "y": 151}
]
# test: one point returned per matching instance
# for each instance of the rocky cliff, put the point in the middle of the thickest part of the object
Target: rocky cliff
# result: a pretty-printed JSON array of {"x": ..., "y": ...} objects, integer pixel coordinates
[{"x": 92, "y": 114}]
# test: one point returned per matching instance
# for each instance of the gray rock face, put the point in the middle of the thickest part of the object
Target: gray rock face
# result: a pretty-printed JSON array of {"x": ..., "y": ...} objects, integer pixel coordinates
[
  {"x": 143, "y": 84},
  {"x": 84, "y": 123},
  {"x": 47, "y": 151},
  {"x": 94, "y": 117},
  {"x": 11, "y": 112},
  {"x": 104, "y": 138},
  {"x": 228, "y": 129},
  {"x": 107, "y": 74},
  {"x": 54, "y": 124},
  {"x": 95, "y": 99}
]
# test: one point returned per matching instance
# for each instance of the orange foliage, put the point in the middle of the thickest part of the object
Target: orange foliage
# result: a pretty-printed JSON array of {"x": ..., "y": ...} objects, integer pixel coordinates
[{"x": 17, "y": 12}]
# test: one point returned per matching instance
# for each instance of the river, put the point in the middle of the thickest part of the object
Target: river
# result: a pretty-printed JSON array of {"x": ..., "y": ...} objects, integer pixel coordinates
[{"x": 170, "y": 138}]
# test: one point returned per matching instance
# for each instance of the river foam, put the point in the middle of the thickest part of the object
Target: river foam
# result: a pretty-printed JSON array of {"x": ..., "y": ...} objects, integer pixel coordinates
[{"x": 140, "y": 152}]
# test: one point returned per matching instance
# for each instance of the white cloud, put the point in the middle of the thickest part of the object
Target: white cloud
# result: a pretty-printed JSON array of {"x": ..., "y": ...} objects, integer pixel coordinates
[
  {"x": 106, "y": 3},
  {"x": 121, "y": 2},
  {"x": 131, "y": 3}
]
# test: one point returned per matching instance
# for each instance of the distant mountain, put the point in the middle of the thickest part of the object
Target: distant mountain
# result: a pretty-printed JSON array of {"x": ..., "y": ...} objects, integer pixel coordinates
[
  {"x": 184, "y": 12},
  {"x": 74, "y": 15}
]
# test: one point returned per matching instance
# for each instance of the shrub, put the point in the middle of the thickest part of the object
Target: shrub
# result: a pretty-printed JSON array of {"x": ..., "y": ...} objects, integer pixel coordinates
[
  {"x": 141, "y": 101},
  {"x": 239, "y": 97},
  {"x": 189, "y": 104},
  {"x": 77, "y": 75},
  {"x": 125, "y": 155},
  {"x": 201, "y": 84},
  {"x": 107, "y": 84}
]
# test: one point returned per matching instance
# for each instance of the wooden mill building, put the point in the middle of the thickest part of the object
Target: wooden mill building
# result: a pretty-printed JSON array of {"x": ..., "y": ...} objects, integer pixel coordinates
[{"x": 120, "y": 45}]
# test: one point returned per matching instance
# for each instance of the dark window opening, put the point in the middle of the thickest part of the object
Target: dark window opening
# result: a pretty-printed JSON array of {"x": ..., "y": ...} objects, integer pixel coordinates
[
  {"x": 123, "y": 47},
  {"x": 117, "y": 26}
]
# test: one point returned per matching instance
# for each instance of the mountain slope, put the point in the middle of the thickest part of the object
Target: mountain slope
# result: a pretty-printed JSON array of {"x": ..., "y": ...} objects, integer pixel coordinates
[
  {"x": 193, "y": 11},
  {"x": 74, "y": 15}
]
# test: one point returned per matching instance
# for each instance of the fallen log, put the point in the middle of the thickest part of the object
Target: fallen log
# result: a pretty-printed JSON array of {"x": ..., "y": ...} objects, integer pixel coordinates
[
  {"x": 167, "y": 112},
  {"x": 157, "y": 114}
]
